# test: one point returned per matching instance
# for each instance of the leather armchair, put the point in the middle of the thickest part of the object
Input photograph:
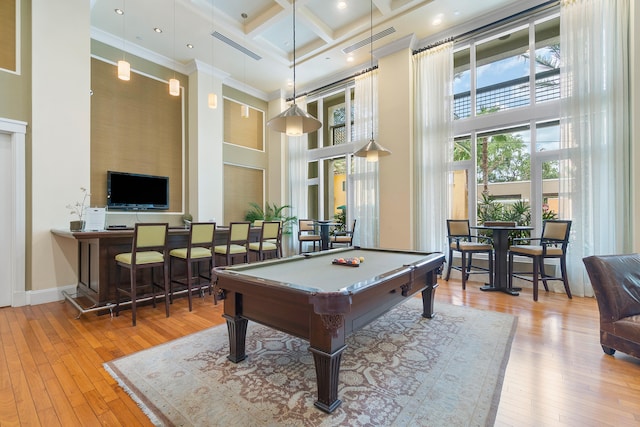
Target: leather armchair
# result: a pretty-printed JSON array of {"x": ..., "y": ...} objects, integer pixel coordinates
[{"x": 616, "y": 284}]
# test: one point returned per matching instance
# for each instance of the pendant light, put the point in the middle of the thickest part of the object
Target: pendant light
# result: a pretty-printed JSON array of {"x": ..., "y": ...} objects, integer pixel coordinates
[
  {"x": 124, "y": 68},
  {"x": 372, "y": 150},
  {"x": 212, "y": 99},
  {"x": 294, "y": 121},
  {"x": 174, "y": 84},
  {"x": 244, "y": 108}
]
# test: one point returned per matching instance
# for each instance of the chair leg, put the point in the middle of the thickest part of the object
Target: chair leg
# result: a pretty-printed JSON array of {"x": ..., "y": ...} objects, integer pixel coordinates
[
  {"x": 153, "y": 288},
  {"x": 165, "y": 275},
  {"x": 449, "y": 264},
  {"x": 469, "y": 264},
  {"x": 189, "y": 276},
  {"x": 510, "y": 270},
  {"x": 133, "y": 295},
  {"x": 543, "y": 275},
  {"x": 463, "y": 270},
  {"x": 536, "y": 268},
  {"x": 565, "y": 279}
]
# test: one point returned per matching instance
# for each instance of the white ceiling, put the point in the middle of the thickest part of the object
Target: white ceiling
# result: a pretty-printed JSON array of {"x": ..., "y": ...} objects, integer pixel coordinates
[{"x": 322, "y": 34}]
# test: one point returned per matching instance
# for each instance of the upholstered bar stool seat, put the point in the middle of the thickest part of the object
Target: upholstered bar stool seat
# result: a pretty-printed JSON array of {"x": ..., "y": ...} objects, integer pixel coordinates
[
  {"x": 237, "y": 243},
  {"x": 461, "y": 240},
  {"x": 148, "y": 250},
  {"x": 268, "y": 244},
  {"x": 552, "y": 245},
  {"x": 344, "y": 237},
  {"x": 307, "y": 233},
  {"x": 197, "y": 252}
]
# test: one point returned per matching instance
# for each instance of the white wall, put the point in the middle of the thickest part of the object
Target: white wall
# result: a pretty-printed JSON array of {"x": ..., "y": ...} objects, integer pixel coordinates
[{"x": 60, "y": 152}]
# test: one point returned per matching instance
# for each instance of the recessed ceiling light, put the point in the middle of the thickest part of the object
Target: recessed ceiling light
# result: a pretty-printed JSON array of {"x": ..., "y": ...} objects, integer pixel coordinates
[
  {"x": 157, "y": 30},
  {"x": 119, "y": 11},
  {"x": 350, "y": 58},
  {"x": 437, "y": 20},
  {"x": 189, "y": 45},
  {"x": 342, "y": 4}
]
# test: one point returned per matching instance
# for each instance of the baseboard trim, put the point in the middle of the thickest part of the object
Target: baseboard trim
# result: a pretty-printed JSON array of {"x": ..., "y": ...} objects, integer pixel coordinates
[{"x": 42, "y": 296}]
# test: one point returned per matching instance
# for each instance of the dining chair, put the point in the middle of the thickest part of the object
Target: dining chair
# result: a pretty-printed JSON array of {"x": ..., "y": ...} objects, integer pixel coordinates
[
  {"x": 552, "y": 244},
  {"x": 461, "y": 240},
  {"x": 343, "y": 237},
  {"x": 270, "y": 241},
  {"x": 307, "y": 233},
  {"x": 237, "y": 245},
  {"x": 196, "y": 254},
  {"x": 148, "y": 251}
]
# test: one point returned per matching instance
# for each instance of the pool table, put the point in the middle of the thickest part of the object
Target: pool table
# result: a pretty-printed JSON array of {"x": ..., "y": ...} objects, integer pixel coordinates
[{"x": 310, "y": 297}]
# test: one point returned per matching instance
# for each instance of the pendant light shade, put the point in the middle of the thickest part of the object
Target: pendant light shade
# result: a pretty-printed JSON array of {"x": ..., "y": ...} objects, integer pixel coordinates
[
  {"x": 212, "y": 101},
  {"x": 372, "y": 150},
  {"x": 244, "y": 111},
  {"x": 174, "y": 84},
  {"x": 294, "y": 121},
  {"x": 174, "y": 87},
  {"x": 124, "y": 70}
]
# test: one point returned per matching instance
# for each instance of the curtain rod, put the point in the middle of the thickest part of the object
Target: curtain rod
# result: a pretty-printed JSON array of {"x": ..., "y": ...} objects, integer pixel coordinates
[
  {"x": 491, "y": 25},
  {"x": 459, "y": 37},
  {"x": 336, "y": 83}
]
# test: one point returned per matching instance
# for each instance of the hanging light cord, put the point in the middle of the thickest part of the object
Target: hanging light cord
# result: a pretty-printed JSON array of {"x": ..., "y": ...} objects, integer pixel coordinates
[
  {"x": 294, "y": 51},
  {"x": 371, "y": 54}
]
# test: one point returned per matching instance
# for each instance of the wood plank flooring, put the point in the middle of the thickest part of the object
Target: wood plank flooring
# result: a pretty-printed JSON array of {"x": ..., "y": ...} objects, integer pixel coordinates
[{"x": 51, "y": 363}]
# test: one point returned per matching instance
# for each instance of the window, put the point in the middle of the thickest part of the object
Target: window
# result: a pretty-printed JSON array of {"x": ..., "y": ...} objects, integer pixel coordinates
[
  {"x": 330, "y": 149},
  {"x": 506, "y": 124}
]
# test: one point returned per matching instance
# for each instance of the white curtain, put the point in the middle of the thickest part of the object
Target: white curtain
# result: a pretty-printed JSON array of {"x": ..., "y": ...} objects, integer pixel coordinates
[
  {"x": 433, "y": 105},
  {"x": 298, "y": 148},
  {"x": 365, "y": 176},
  {"x": 595, "y": 178}
]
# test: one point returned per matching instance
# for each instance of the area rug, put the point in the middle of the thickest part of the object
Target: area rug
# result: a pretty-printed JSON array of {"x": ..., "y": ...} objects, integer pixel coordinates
[{"x": 401, "y": 370}]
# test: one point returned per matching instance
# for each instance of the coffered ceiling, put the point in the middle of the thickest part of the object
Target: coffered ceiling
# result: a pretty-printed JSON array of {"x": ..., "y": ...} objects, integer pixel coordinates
[{"x": 256, "y": 52}]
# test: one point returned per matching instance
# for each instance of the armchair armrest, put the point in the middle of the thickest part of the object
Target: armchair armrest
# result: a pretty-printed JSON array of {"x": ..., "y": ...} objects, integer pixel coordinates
[{"x": 521, "y": 240}]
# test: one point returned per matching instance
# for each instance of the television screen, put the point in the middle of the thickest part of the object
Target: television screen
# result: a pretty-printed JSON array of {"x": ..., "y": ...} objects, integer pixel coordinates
[{"x": 133, "y": 191}]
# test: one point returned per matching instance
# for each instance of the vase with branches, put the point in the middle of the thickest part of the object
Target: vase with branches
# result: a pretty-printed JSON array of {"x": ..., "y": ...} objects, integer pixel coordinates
[{"x": 78, "y": 209}]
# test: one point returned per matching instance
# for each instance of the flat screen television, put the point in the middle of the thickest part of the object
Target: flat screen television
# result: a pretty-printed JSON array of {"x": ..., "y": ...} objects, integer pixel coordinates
[{"x": 134, "y": 191}]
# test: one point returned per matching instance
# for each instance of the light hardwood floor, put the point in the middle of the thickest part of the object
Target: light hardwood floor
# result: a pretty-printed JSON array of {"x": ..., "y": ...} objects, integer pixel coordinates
[{"x": 51, "y": 363}]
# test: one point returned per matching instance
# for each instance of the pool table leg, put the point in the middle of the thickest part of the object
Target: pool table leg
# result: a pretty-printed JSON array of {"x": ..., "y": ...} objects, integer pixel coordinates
[
  {"x": 237, "y": 328},
  {"x": 327, "y": 373},
  {"x": 428, "y": 297}
]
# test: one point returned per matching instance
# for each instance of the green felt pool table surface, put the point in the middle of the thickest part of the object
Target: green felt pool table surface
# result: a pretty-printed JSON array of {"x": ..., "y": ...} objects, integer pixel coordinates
[{"x": 317, "y": 273}]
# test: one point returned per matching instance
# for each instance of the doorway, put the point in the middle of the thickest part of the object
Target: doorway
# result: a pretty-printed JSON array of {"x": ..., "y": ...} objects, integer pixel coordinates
[{"x": 12, "y": 213}]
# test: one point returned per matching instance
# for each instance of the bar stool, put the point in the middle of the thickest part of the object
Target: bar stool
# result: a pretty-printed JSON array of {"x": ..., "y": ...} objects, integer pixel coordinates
[
  {"x": 461, "y": 240},
  {"x": 197, "y": 252},
  {"x": 270, "y": 240},
  {"x": 148, "y": 251},
  {"x": 307, "y": 233},
  {"x": 237, "y": 243},
  {"x": 343, "y": 237}
]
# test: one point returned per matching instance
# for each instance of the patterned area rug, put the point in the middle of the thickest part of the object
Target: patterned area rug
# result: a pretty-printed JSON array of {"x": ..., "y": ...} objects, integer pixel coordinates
[{"x": 401, "y": 370}]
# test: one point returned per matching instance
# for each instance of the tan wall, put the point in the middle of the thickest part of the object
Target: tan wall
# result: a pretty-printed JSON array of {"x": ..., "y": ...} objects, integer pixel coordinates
[
  {"x": 396, "y": 133},
  {"x": 15, "y": 87}
]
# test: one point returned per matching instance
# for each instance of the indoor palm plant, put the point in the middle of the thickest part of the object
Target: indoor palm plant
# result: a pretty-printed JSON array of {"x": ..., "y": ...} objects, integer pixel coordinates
[{"x": 271, "y": 212}]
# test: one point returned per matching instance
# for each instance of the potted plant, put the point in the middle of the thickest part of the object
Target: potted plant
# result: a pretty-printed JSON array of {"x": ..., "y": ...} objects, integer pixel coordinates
[
  {"x": 78, "y": 210},
  {"x": 271, "y": 212}
]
